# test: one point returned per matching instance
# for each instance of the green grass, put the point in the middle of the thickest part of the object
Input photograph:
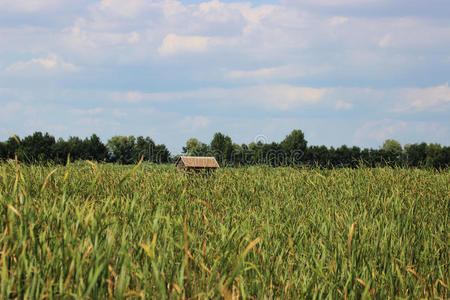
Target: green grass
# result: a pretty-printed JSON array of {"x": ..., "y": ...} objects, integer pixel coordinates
[{"x": 111, "y": 231}]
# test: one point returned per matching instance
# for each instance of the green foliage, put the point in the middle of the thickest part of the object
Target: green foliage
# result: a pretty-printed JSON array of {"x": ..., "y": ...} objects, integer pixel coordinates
[
  {"x": 96, "y": 149},
  {"x": 109, "y": 231},
  {"x": 294, "y": 142},
  {"x": 3, "y": 150},
  {"x": 12, "y": 146},
  {"x": 196, "y": 148},
  {"x": 143, "y": 147},
  {"x": 122, "y": 149},
  {"x": 292, "y": 151},
  {"x": 161, "y": 154},
  {"x": 36, "y": 147},
  {"x": 392, "y": 146},
  {"x": 222, "y": 147}
]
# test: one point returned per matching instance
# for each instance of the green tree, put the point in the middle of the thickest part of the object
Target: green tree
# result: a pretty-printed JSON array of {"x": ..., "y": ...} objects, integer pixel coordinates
[
  {"x": 415, "y": 154},
  {"x": 37, "y": 147},
  {"x": 161, "y": 154},
  {"x": 76, "y": 148},
  {"x": 3, "y": 155},
  {"x": 144, "y": 147},
  {"x": 392, "y": 146},
  {"x": 61, "y": 151},
  {"x": 121, "y": 149},
  {"x": 195, "y": 148},
  {"x": 222, "y": 147},
  {"x": 434, "y": 156},
  {"x": 317, "y": 155},
  {"x": 12, "y": 146},
  {"x": 256, "y": 151},
  {"x": 294, "y": 146},
  {"x": 274, "y": 155},
  {"x": 95, "y": 149}
]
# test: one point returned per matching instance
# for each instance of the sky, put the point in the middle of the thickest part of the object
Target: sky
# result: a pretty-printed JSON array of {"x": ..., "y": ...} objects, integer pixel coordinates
[{"x": 354, "y": 72}]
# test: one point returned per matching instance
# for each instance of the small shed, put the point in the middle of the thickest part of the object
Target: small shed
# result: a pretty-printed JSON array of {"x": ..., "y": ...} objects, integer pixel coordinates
[{"x": 196, "y": 163}]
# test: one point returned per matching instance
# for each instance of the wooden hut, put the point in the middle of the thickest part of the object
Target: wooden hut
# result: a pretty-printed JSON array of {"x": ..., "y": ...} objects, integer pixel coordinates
[{"x": 196, "y": 163}]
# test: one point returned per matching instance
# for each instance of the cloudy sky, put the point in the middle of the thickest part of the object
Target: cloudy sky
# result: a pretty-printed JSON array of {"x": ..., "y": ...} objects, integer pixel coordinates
[{"x": 352, "y": 72}]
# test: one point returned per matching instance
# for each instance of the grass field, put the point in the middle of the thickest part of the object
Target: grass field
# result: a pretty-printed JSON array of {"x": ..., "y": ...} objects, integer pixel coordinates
[{"x": 108, "y": 231}]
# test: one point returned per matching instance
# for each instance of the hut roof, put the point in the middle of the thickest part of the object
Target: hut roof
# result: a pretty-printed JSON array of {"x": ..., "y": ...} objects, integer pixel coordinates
[{"x": 198, "y": 162}]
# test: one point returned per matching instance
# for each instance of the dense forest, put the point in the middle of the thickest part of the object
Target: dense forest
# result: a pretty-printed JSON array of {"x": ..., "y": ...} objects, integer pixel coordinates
[{"x": 293, "y": 150}]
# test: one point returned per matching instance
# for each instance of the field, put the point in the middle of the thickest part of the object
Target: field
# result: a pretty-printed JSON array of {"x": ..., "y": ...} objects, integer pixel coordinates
[{"x": 109, "y": 231}]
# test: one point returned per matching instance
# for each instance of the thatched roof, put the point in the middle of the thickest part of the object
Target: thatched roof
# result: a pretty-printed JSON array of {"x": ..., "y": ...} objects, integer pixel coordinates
[{"x": 197, "y": 162}]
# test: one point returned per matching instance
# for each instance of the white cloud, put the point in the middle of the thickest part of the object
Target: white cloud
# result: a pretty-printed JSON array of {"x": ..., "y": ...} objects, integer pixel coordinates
[
  {"x": 121, "y": 8},
  {"x": 281, "y": 97},
  {"x": 79, "y": 37},
  {"x": 128, "y": 97},
  {"x": 332, "y": 3},
  {"x": 114, "y": 31},
  {"x": 375, "y": 132},
  {"x": 119, "y": 113},
  {"x": 193, "y": 123},
  {"x": 425, "y": 99},
  {"x": 134, "y": 37},
  {"x": 386, "y": 41},
  {"x": 52, "y": 63},
  {"x": 259, "y": 73},
  {"x": 29, "y": 6},
  {"x": 173, "y": 44},
  {"x": 89, "y": 112},
  {"x": 287, "y": 71},
  {"x": 335, "y": 21},
  {"x": 214, "y": 10},
  {"x": 379, "y": 130},
  {"x": 10, "y": 110},
  {"x": 342, "y": 105}
]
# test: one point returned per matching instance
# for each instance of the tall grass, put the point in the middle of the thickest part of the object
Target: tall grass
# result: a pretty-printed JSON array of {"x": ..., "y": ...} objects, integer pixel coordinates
[{"x": 108, "y": 231}]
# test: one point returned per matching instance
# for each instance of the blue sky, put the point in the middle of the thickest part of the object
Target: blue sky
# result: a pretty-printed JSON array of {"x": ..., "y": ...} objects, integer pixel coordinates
[{"x": 352, "y": 72}]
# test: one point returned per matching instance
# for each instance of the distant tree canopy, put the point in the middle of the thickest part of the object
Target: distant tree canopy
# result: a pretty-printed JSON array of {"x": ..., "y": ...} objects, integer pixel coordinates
[
  {"x": 292, "y": 150},
  {"x": 294, "y": 145},
  {"x": 196, "y": 148},
  {"x": 121, "y": 149},
  {"x": 222, "y": 147},
  {"x": 392, "y": 146},
  {"x": 127, "y": 150}
]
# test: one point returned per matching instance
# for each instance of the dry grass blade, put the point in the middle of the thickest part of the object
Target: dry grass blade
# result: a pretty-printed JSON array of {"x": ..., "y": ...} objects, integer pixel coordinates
[
  {"x": 371, "y": 292},
  {"x": 139, "y": 163},
  {"x": 361, "y": 281},
  {"x": 15, "y": 211},
  {"x": 69, "y": 277},
  {"x": 441, "y": 283},
  {"x": 350, "y": 239},
  {"x": 226, "y": 294},
  {"x": 46, "y": 179},
  {"x": 176, "y": 287},
  {"x": 251, "y": 246},
  {"x": 186, "y": 254},
  {"x": 205, "y": 204},
  {"x": 16, "y": 138},
  {"x": 291, "y": 244},
  {"x": 66, "y": 175},
  {"x": 150, "y": 250},
  {"x": 412, "y": 271},
  {"x": 92, "y": 164}
]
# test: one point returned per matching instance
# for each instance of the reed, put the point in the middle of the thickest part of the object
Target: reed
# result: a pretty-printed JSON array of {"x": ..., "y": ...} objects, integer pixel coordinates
[{"x": 107, "y": 231}]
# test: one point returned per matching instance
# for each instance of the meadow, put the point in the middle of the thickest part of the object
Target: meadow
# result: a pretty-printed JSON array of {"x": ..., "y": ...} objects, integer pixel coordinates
[{"x": 90, "y": 231}]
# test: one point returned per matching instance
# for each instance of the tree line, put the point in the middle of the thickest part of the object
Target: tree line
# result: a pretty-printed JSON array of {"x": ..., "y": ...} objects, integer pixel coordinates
[
  {"x": 40, "y": 147},
  {"x": 293, "y": 150}
]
